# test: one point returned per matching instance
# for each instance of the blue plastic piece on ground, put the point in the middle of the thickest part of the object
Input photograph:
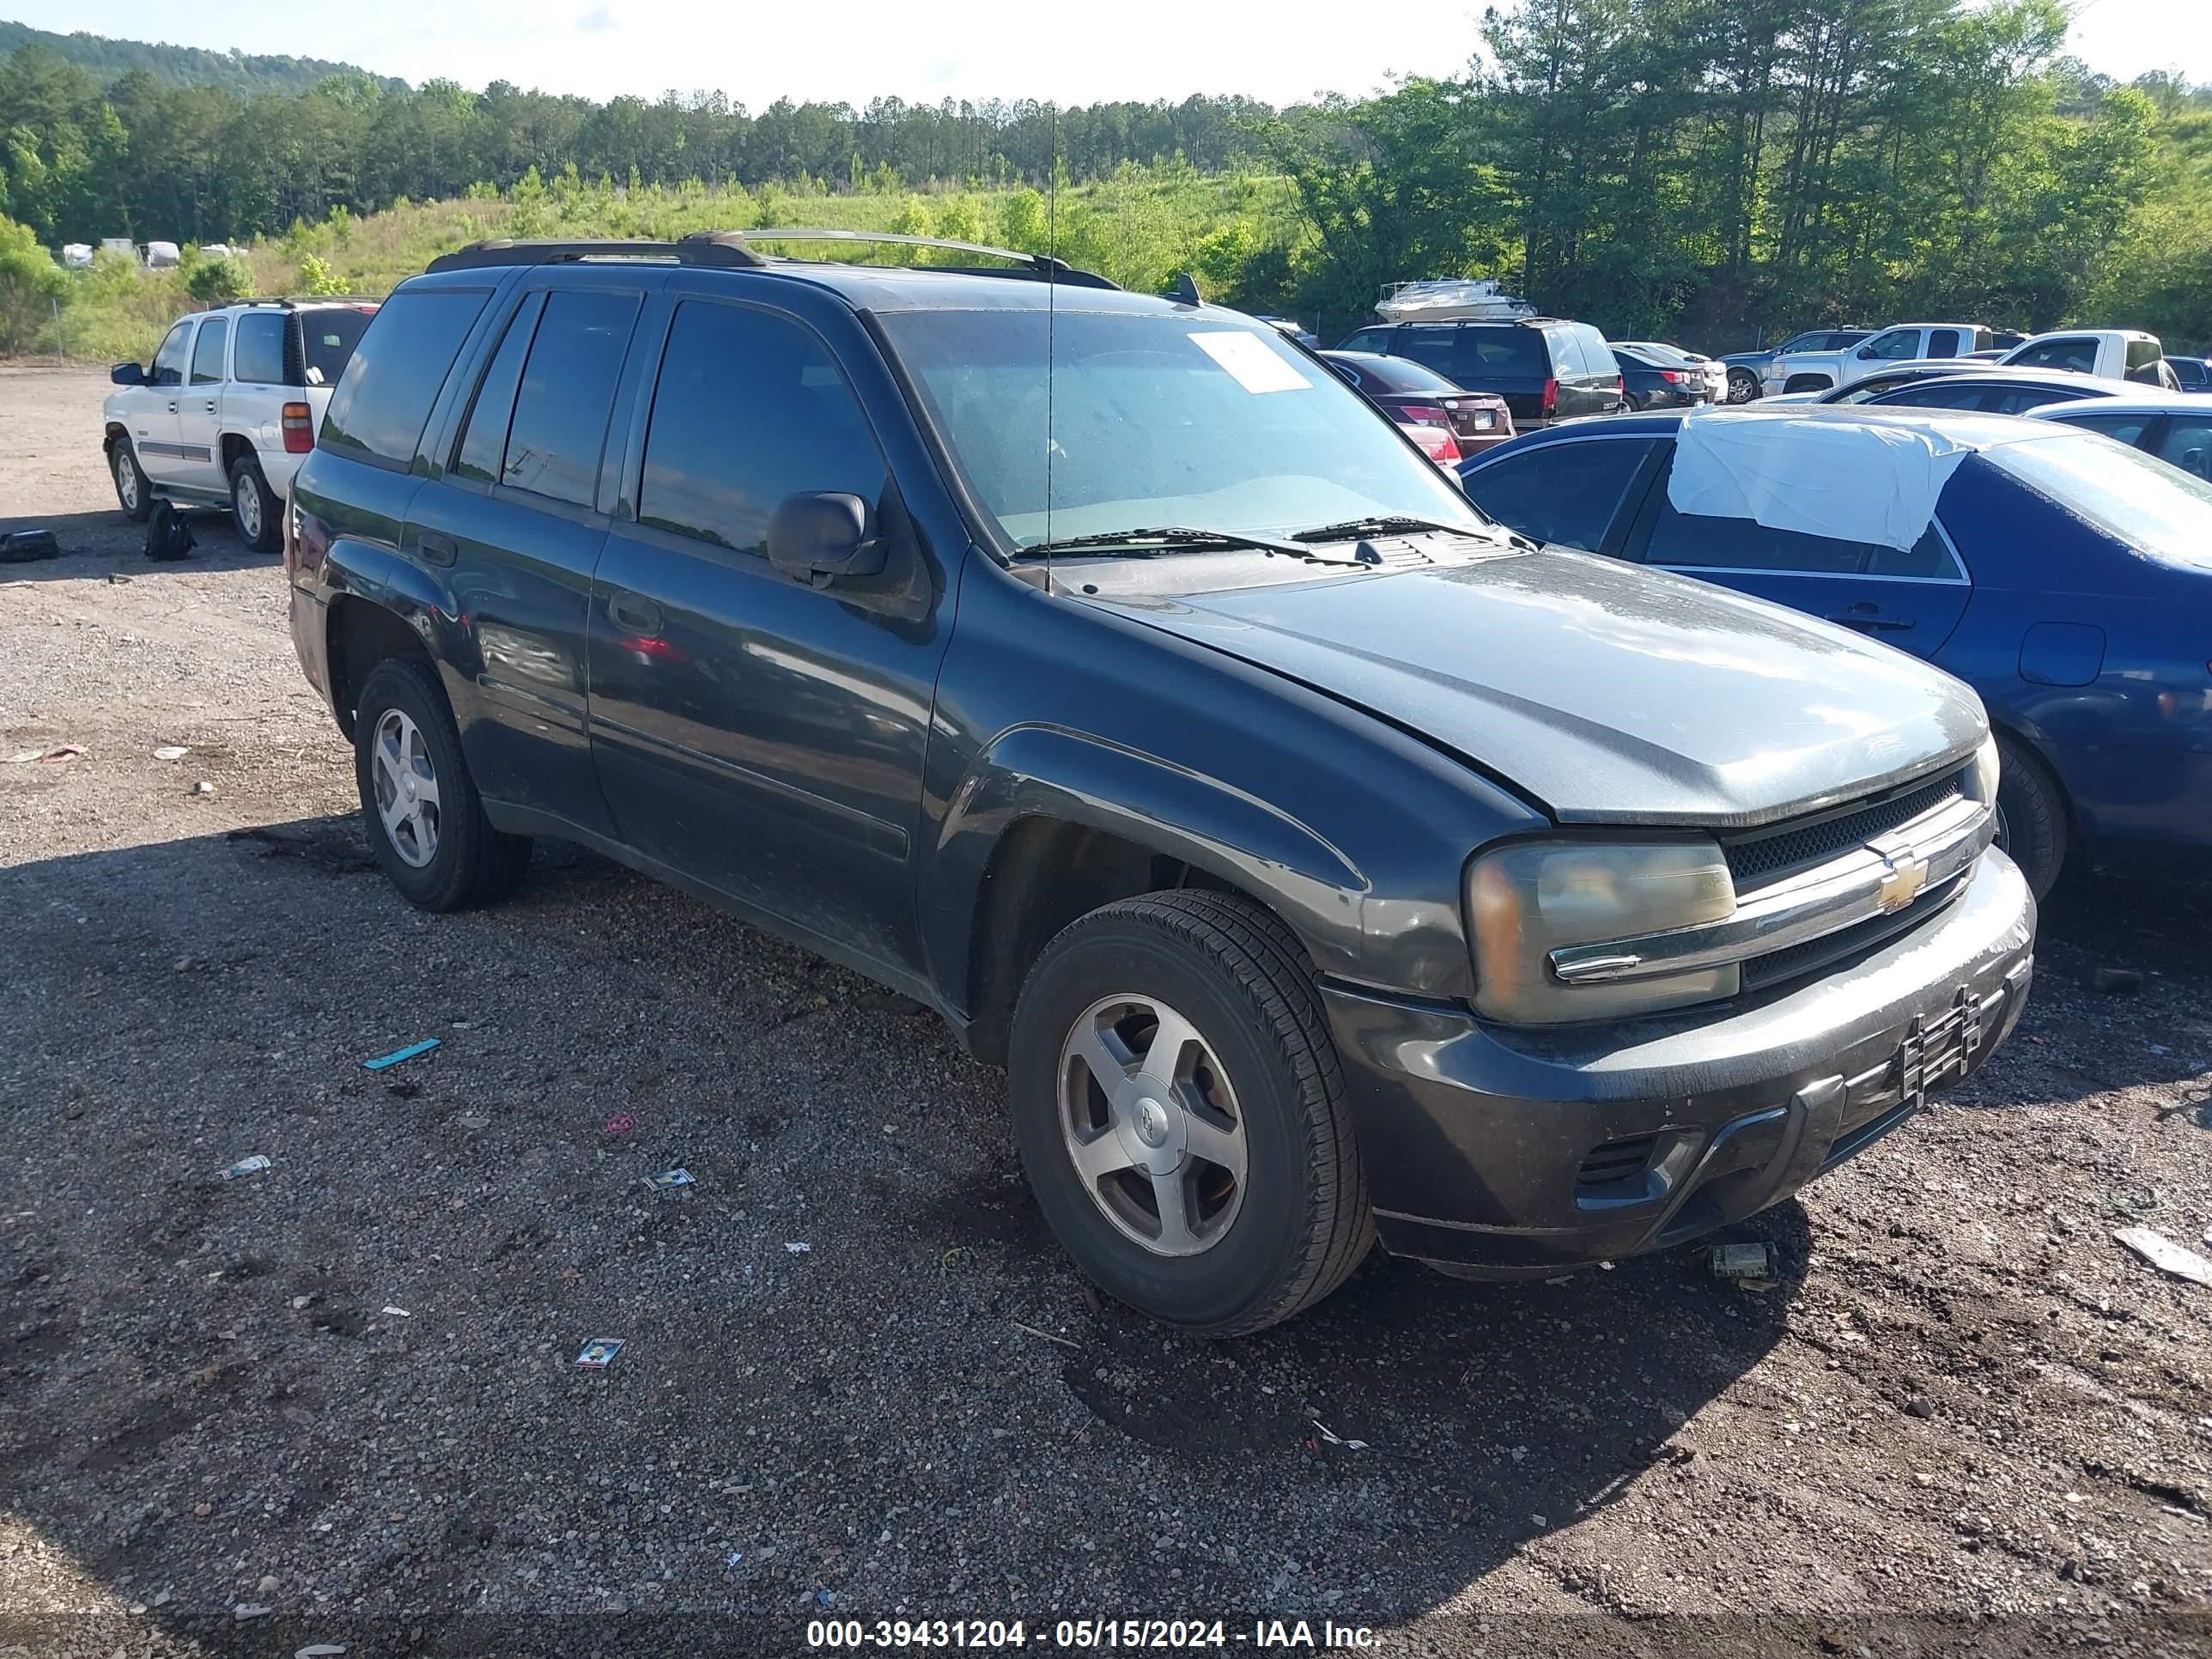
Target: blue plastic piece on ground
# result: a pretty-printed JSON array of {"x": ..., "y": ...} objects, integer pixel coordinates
[{"x": 398, "y": 1055}]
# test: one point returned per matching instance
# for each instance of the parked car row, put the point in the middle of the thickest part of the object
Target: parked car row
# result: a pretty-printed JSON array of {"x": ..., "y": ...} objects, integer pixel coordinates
[
  {"x": 1322, "y": 859},
  {"x": 2066, "y": 576}
]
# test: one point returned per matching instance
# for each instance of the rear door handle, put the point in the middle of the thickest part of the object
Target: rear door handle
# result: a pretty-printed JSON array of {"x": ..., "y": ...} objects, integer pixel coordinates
[
  {"x": 437, "y": 547},
  {"x": 211, "y": 408},
  {"x": 1866, "y": 615},
  {"x": 172, "y": 405},
  {"x": 636, "y": 613}
]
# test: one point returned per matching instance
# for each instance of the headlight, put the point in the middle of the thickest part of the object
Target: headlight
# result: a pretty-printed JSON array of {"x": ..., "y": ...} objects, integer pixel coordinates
[
  {"x": 1982, "y": 781},
  {"x": 1525, "y": 900}
]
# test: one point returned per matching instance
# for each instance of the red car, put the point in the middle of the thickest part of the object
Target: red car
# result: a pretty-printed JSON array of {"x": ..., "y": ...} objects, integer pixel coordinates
[
  {"x": 1435, "y": 441},
  {"x": 1415, "y": 395}
]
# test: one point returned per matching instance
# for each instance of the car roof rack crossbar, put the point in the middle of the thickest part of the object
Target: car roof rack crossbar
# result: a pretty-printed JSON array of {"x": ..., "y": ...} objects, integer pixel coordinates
[
  {"x": 293, "y": 301},
  {"x": 720, "y": 247},
  {"x": 1040, "y": 265}
]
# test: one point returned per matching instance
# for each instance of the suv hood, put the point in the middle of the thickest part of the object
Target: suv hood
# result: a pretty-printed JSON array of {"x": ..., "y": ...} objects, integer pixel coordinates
[{"x": 1613, "y": 694}]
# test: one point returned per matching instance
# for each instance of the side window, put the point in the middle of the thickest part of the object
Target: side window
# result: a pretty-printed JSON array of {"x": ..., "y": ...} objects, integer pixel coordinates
[
  {"x": 1815, "y": 342},
  {"x": 1596, "y": 352},
  {"x": 169, "y": 361},
  {"x": 1943, "y": 343},
  {"x": 1892, "y": 347},
  {"x": 208, "y": 351},
  {"x": 1929, "y": 558},
  {"x": 257, "y": 359},
  {"x": 749, "y": 408},
  {"x": 2018, "y": 400},
  {"x": 2076, "y": 354},
  {"x": 2125, "y": 429},
  {"x": 567, "y": 393},
  {"x": 2143, "y": 354},
  {"x": 1694, "y": 542},
  {"x": 1568, "y": 356},
  {"x": 397, "y": 372},
  {"x": 1565, "y": 494},
  {"x": 2188, "y": 444},
  {"x": 1935, "y": 396},
  {"x": 483, "y": 440},
  {"x": 1427, "y": 344},
  {"x": 1369, "y": 339}
]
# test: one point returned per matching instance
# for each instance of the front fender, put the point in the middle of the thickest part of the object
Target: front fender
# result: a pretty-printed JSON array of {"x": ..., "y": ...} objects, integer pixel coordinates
[{"x": 1313, "y": 884}]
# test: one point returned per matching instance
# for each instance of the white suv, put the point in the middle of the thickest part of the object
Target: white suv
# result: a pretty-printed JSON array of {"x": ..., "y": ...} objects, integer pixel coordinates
[{"x": 229, "y": 408}]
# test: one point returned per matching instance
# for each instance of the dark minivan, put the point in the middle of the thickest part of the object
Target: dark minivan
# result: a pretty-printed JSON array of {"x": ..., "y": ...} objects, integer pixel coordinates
[
  {"x": 1546, "y": 368},
  {"x": 1095, "y": 669}
]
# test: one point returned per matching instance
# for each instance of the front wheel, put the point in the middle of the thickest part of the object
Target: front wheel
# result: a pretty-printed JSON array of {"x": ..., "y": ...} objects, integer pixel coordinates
[
  {"x": 1182, "y": 1113},
  {"x": 253, "y": 507},
  {"x": 132, "y": 492},
  {"x": 426, "y": 823},
  {"x": 1743, "y": 385}
]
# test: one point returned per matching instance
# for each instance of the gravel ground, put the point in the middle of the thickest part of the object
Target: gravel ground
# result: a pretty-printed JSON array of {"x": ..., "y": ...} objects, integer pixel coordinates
[{"x": 859, "y": 1380}]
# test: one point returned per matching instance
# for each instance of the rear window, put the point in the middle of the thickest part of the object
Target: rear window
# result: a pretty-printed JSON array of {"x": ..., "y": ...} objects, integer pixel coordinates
[
  {"x": 2142, "y": 354},
  {"x": 396, "y": 371},
  {"x": 1427, "y": 345},
  {"x": 1504, "y": 353},
  {"x": 257, "y": 356},
  {"x": 327, "y": 338},
  {"x": 1388, "y": 374},
  {"x": 2159, "y": 509}
]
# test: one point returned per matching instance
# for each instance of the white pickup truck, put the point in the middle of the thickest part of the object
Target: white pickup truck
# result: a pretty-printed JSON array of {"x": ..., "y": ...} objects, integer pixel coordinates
[
  {"x": 1817, "y": 371},
  {"x": 228, "y": 409},
  {"x": 2112, "y": 353}
]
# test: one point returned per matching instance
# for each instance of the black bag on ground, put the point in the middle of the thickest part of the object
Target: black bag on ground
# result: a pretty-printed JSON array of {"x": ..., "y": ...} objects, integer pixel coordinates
[
  {"x": 22, "y": 546},
  {"x": 168, "y": 535}
]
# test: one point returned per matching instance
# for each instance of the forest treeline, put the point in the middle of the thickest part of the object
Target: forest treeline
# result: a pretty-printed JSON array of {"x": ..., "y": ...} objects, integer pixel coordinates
[{"x": 1706, "y": 169}]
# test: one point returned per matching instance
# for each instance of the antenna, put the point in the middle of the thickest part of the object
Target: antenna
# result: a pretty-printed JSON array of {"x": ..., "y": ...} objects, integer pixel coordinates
[
  {"x": 1186, "y": 291},
  {"x": 1051, "y": 326}
]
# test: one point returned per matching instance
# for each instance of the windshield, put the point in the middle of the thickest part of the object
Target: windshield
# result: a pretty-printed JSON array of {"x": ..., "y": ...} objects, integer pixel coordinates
[
  {"x": 1157, "y": 419},
  {"x": 2154, "y": 507}
]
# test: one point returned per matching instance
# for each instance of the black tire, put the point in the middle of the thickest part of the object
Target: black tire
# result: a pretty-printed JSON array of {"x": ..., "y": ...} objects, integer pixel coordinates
[
  {"x": 470, "y": 863},
  {"x": 2032, "y": 818},
  {"x": 132, "y": 493},
  {"x": 1631, "y": 403},
  {"x": 1743, "y": 385},
  {"x": 252, "y": 503},
  {"x": 1242, "y": 980}
]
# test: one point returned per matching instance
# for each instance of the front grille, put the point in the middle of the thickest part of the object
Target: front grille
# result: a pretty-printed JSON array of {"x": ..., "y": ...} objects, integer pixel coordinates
[
  {"x": 1775, "y": 966},
  {"x": 1617, "y": 1160},
  {"x": 1754, "y": 860}
]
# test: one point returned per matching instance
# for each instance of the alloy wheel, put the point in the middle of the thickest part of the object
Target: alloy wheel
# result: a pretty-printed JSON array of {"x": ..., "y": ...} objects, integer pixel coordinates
[
  {"x": 406, "y": 788},
  {"x": 126, "y": 480},
  {"x": 1151, "y": 1124},
  {"x": 245, "y": 501}
]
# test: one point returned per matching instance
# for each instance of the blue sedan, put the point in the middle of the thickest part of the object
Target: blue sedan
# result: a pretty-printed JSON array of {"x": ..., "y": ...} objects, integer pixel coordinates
[{"x": 2067, "y": 578}]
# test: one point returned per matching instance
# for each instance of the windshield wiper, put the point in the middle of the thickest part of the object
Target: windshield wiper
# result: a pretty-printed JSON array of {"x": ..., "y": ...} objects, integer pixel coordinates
[
  {"x": 1386, "y": 525},
  {"x": 1162, "y": 538}
]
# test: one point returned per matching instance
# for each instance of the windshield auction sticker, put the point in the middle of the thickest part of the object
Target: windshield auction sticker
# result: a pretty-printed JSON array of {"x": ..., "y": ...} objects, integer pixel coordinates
[{"x": 1255, "y": 367}]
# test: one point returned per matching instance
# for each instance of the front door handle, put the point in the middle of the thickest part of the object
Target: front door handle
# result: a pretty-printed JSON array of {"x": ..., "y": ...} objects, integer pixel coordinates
[
  {"x": 211, "y": 408},
  {"x": 1867, "y": 616},
  {"x": 636, "y": 614},
  {"x": 172, "y": 405},
  {"x": 438, "y": 547}
]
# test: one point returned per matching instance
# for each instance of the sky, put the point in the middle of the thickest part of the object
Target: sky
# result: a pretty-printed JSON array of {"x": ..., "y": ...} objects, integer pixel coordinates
[{"x": 851, "y": 50}]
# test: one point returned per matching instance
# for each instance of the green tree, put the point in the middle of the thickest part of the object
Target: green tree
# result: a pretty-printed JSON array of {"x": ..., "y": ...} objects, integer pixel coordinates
[{"x": 31, "y": 286}]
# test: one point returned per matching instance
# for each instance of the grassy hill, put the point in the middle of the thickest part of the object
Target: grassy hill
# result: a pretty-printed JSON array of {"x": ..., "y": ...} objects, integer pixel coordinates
[
  {"x": 1140, "y": 228},
  {"x": 248, "y": 76}
]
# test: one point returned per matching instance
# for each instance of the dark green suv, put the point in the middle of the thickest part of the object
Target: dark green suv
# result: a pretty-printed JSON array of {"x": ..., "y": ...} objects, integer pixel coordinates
[{"x": 1319, "y": 858}]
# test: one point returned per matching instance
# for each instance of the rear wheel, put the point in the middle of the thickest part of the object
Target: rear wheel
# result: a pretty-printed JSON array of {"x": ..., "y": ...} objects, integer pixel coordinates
[
  {"x": 132, "y": 492},
  {"x": 253, "y": 507},
  {"x": 2031, "y": 824},
  {"x": 1182, "y": 1113},
  {"x": 426, "y": 823}
]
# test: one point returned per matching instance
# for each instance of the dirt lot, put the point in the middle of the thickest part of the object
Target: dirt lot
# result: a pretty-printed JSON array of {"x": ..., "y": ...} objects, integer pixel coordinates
[{"x": 1966, "y": 1421}]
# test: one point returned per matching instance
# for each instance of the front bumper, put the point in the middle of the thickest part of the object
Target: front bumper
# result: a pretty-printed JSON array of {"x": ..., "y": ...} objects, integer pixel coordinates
[{"x": 1511, "y": 1153}]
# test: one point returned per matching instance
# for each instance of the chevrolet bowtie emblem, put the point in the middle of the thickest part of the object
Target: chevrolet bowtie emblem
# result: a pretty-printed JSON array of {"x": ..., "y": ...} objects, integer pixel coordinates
[{"x": 1901, "y": 877}]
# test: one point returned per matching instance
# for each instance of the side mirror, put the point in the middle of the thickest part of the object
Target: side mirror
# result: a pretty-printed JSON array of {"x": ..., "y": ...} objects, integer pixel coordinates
[
  {"x": 821, "y": 536},
  {"x": 127, "y": 375}
]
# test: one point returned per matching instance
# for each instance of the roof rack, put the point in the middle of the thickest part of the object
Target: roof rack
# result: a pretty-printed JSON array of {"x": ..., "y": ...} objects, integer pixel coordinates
[
  {"x": 293, "y": 302},
  {"x": 733, "y": 250}
]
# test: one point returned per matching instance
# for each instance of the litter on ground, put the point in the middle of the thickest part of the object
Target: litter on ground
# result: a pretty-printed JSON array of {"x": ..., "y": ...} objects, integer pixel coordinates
[
  {"x": 1753, "y": 1261},
  {"x": 245, "y": 1166},
  {"x": 171, "y": 751},
  {"x": 600, "y": 1352},
  {"x": 668, "y": 1178},
  {"x": 398, "y": 1055},
  {"x": 799, "y": 1249},
  {"x": 2168, "y": 1257}
]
